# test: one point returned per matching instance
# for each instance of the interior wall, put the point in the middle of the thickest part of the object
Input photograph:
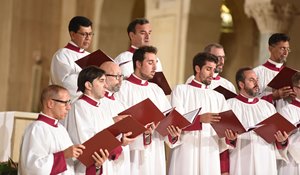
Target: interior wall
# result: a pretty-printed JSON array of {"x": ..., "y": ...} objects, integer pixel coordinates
[
  {"x": 241, "y": 46},
  {"x": 204, "y": 27},
  {"x": 6, "y": 10},
  {"x": 34, "y": 31},
  {"x": 114, "y": 17}
]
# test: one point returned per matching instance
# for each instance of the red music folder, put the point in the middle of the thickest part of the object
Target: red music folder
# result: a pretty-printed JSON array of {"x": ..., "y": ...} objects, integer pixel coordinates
[
  {"x": 194, "y": 118},
  {"x": 144, "y": 112},
  {"x": 227, "y": 93},
  {"x": 273, "y": 124},
  {"x": 102, "y": 140},
  {"x": 176, "y": 119},
  {"x": 125, "y": 125},
  {"x": 228, "y": 121},
  {"x": 283, "y": 78},
  {"x": 94, "y": 59},
  {"x": 160, "y": 79}
]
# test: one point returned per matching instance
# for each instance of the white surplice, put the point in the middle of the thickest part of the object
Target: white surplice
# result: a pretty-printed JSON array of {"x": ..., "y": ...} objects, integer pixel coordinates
[
  {"x": 252, "y": 155},
  {"x": 64, "y": 71},
  {"x": 111, "y": 107},
  {"x": 125, "y": 62},
  {"x": 150, "y": 159},
  {"x": 41, "y": 141},
  {"x": 292, "y": 113},
  {"x": 216, "y": 81},
  {"x": 265, "y": 73},
  {"x": 199, "y": 153},
  {"x": 84, "y": 120}
]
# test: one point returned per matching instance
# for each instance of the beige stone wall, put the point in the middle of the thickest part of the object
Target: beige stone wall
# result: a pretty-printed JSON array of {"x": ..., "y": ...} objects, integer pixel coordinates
[{"x": 33, "y": 30}]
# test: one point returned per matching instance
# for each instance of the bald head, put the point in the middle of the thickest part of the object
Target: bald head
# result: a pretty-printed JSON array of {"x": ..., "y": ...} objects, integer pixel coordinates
[
  {"x": 114, "y": 75},
  {"x": 109, "y": 67}
]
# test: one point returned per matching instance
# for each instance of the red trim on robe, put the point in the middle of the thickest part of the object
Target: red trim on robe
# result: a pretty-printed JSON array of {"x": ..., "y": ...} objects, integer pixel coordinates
[
  {"x": 49, "y": 121},
  {"x": 131, "y": 49},
  {"x": 246, "y": 100},
  {"x": 109, "y": 96},
  {"x": 115, "y": 153},
  {"x": 172, "y": 140},
  {"x": 195, "y": 84},
  {"x": 147, "y": 140},
  {"x": 268, "y": 98},
  {"x": 59, "y": 163},
  {"x": 224, "y": 161},
  {"x": 74, "y": 48},
  {"x": 91, "y": 170},
  {"x": 137, "y": 81},
  {"x": 296, "y": 103},
  {"x": 218, "y": 77},
  {"x": 89, "y": 100},
  {"x": 280, "y": 146},
  {"x": 272, "y": 66}
]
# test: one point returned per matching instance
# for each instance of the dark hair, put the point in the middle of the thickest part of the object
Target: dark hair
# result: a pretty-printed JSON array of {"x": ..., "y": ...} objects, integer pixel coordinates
[
  {"x": 139, "y": 54},
  {"x": 50, "y": 92},
  {"x": 78, "y": 21},
  {"x": 210, "y": 46},
  {"x": 132, "y": 24},
  {"x": 296, "y": 79},
  {"x": 240, "y": 76},
  {"x": 201, "y": 58},
  {"x": 88, "y": 74},
  {"x": 278, "y": 37}
]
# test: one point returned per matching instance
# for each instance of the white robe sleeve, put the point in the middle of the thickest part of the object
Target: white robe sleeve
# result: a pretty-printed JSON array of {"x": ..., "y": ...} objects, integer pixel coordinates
[{"x": 35, "y": 158}]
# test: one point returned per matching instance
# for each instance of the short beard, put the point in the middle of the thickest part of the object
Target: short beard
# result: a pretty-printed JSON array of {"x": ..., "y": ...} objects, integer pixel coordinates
[
  {"x": 251, "y": 92},
  {"x": 116, "y": 88}
]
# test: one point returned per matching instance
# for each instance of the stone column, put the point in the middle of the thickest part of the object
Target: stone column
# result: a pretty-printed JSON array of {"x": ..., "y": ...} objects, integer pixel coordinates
[{"x": 270, "y": 17}]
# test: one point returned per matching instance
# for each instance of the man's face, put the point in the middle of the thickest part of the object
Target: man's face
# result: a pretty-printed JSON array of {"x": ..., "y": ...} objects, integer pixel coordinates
[
  {"x": 250, "y": 85},
  {"x": 147, "y": 68},
  {"x": 280, "y": 51},
  {"x": 83, "y": 37},
  {"x": 297, "y": 90},
  {"x": 206, "y": 72},
  {"x": 114, "y": 79},
  {"x": 98, "y": 87},
  {"x": 61, "y": 105},
  {"x": 142, "y": 34},
  {"x": 219, "y": 52}
]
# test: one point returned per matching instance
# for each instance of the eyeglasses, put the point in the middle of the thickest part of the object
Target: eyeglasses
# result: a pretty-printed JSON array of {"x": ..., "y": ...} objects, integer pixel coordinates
[
  {"x": 286, "y": 49},
  {"x": 220, "y": 57},
  {"x": 118, "y": 77},
  {"x": 85, "y": 35},
  {"x": 67, "y": 102}
]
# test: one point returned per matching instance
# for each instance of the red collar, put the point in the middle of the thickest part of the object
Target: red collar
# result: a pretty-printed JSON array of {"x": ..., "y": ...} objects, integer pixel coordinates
[
  {"x": 89, "y": 100},
  {"x": 131, "y": 49},
  {"x": 196, "y": 84},
  {"x": 246, "y": 100},
  {"x": 49, "y": 121},
  {"x": 137, "y": 81},
  {"x": 218, "y": 77},
  {"x": 109, "y": 95},
  {"x": 296, "y": 103},
  {"x": 74, "y": 48},
  {"x": 272, "y": 66}
]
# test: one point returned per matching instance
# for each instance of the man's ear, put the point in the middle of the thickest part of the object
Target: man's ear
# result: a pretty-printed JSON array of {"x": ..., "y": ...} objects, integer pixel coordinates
[
  {"x": 88, "y": 85},
  {"x": 241, "y": 84},
  {"x": 197, "y": 69},
  {"x": 138, "y": 64},
  {"x": 72, "y": 34},
  {"x": 131, "y": 35},
  {"x": 50, "y": 103}
]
